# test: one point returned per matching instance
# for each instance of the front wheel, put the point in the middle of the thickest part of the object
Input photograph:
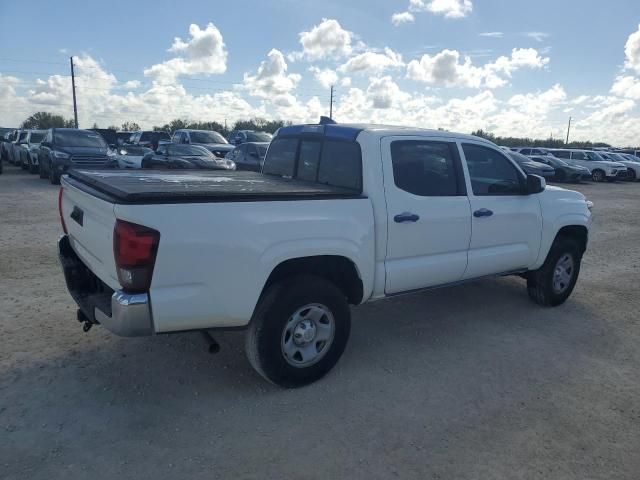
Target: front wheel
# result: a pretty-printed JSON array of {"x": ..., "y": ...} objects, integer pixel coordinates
[
  {"x": 631, "y": 175},
  {"x": 598, "y": 175},
  {"x": 54, "y": 177},
  {"x": 299, "y": 331},
  {"x": 554, "y": 281}
]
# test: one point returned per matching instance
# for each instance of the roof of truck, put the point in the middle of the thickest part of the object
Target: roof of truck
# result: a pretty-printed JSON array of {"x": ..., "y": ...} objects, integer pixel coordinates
[{"x": 351, "y": 131}]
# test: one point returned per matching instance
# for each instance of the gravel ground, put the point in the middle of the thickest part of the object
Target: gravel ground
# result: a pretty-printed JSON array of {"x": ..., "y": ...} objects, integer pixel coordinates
[{"x": 469, "y": 382}]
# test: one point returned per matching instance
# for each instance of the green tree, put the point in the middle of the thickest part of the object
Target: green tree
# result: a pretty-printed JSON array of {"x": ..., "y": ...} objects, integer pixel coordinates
[
  {"x": 130, "y": 127},
  {"x": 45, "y": 120}
]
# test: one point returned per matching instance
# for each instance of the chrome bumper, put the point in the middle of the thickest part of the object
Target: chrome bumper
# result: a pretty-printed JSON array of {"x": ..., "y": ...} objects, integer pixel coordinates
[
  {"x": 130, "y": 315},
  {"x": 125, "y": 314}
]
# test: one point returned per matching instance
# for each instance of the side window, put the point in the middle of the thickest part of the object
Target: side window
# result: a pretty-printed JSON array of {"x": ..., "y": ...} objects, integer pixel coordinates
[
  {"x": 525, "y": 151},
  {"x": 425, "y": 168},
  {"x": 176, "y": 137},
  {"x": 490, "y": 172},
  {"x": 308, "y": 160},
  {"x": 281, "y": 158},
  {"x": 562, "y": 154},
  {"x": 341, "y": 164},
  {"x": 578, "y": 156}
]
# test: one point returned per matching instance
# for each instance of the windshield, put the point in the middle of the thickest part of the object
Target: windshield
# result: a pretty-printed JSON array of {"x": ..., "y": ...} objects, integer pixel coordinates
[
  {"x": 593, "y": 156},
  {"x": 79, "y": 138},
  {"x": 23, "y": 137},
  {"x": 207, "y": 137},
  {"x": 36, "y": 137},
  {"x": 258, "y": 137},
  {"x": 191, "y": 150},
  {"x": 518, "y": 157}
]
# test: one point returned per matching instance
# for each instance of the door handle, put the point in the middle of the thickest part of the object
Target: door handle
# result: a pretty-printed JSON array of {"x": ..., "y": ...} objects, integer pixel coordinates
[
  {"x": 483, "y": 212},
  {"x": 406, "y": 217}
]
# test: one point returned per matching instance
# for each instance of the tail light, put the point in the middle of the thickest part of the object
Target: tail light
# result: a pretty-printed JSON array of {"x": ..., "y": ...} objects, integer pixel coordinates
[
  {"x": 135, "y": 248},
  {"x": 64, "y": 226}
]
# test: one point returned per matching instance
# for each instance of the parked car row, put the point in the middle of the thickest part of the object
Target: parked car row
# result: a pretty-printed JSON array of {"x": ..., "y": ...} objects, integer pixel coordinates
[
  {"x": 51, "y": 152},
  {"x": 576, "y": 164}
]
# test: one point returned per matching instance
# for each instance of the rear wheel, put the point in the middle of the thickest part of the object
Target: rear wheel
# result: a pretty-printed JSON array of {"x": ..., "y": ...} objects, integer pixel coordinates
[
  {"x": 561, "y": 175},
  {"x": 631, "y": 175},
  {"x": 41, "y": 171},
  {"x": 554, "y": 281},
  {"x": 598, "y": 175},
  {"x": 299, "y": 331}
]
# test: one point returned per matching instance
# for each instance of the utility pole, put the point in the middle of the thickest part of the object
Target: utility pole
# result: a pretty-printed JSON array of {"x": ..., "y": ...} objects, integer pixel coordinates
[
  {"x": 568, "y": 130},
  {"x": 331, "y": 104},
  {"x": 73, "y": 86}
]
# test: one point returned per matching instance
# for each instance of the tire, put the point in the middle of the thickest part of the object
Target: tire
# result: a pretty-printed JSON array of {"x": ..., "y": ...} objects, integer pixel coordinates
[
  {"x": 546, "y": 286},
  {"x": 631, "y": 175},
  {"x": 33, "y": 168},
  {"x": 41, "y": 171},
  {"x": 279, "y": 317},
  {"x": 598, "y": 175},
  {"x": 561, "y": 175},
  {"x": 54, "y": 177}
]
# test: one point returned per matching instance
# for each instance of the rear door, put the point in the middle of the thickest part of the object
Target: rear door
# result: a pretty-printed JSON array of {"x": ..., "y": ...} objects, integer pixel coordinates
[
  {"x": 506, "y": 222},
  {"x": 429, "y": 216}
]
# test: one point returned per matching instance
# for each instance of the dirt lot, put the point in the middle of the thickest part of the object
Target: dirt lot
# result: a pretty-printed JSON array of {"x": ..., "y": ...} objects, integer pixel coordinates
[{"x": 470, "y": 382}]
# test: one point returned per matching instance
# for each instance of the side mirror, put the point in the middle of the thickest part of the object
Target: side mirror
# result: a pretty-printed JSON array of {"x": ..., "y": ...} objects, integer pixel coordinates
[{"x": 535, "y": 184}]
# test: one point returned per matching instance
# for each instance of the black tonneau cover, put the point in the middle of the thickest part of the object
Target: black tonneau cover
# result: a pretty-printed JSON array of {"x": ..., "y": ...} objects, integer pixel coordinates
[{"x": 149, "y": 186}]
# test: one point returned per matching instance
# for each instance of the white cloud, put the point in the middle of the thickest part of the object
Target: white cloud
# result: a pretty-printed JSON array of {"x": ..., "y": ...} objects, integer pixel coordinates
[
  {"x": 447, "y": 8},
  {"x": 205, "y": 52},
  {"x": 272, "y": 81},
  {"x": 345, "y": 82},
  {"x": 131, "y": 84},
  {"x": 446, "y": 68},
  {"x": 385, "y": 93},
  {"x": 324, "y": 76},
  {"x": 632, "y": 51},
  {"x": 372, "y": 62},
  {"x": 626, "y": 87},
  {"x": 402, "y": 17},
  {"x": 492, "y": 34},
  {"x": 326, "y": 40},
  {"x": 537, "y": 36}
]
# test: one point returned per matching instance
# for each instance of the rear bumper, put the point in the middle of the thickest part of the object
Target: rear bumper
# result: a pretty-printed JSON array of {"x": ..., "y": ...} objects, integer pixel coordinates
[{"x": 125, "y": 314}]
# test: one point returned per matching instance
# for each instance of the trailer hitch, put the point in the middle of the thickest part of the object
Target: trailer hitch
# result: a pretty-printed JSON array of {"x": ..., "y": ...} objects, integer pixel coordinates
[{"x": 84, "y": 320}]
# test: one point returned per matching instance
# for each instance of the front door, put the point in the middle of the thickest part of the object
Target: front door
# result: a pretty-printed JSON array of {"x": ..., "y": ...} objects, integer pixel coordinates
[
  {"x": 506, "y": 222},
  {"x": 429, "y": 217}
]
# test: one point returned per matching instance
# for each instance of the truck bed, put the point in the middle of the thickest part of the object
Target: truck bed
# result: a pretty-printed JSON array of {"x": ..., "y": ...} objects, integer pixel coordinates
[{"x": 152, "y": 186}]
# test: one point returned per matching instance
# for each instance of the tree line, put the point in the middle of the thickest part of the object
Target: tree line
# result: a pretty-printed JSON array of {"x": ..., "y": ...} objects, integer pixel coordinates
[{"x": 44, "y": 120}]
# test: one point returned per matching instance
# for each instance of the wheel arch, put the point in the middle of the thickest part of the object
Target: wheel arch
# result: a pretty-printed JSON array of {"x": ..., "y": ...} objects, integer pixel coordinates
[{"x": 340, "y": 270}]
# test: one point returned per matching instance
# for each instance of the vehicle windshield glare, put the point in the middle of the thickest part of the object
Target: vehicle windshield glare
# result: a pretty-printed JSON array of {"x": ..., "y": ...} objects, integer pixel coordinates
[
  {"x": 191, "y": 150},
  {"x": 79, "y": 138},
  {"x": 258, "y": 137},
  {"x": 207, "y": 137}
]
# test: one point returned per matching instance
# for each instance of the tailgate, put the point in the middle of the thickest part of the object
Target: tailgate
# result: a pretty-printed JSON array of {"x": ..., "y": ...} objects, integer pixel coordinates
[{"x": 90, "y": 221}]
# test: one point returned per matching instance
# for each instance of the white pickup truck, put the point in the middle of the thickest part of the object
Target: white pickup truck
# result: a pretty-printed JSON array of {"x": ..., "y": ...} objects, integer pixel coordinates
[{"x": 341, "y": 214}]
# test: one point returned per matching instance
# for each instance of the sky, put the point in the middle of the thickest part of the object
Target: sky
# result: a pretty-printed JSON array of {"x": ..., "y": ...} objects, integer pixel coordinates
[{"x": 516, "y": 68}]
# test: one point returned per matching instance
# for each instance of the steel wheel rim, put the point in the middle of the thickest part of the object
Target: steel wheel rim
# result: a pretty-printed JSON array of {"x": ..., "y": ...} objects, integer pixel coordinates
[
  {"x": 563, "y": 273},
  {"x": 308, "y": 335}
]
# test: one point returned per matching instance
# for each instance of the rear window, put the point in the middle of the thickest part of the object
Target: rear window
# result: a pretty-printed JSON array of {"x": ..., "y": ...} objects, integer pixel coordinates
[
  {"x": 151, "y": 136},
  {"x": 258, "y": 137},
  {"x": 36, "y": 137},
  {"x": 327, "y": 161},
  {"x": 79, "y": 138}
]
